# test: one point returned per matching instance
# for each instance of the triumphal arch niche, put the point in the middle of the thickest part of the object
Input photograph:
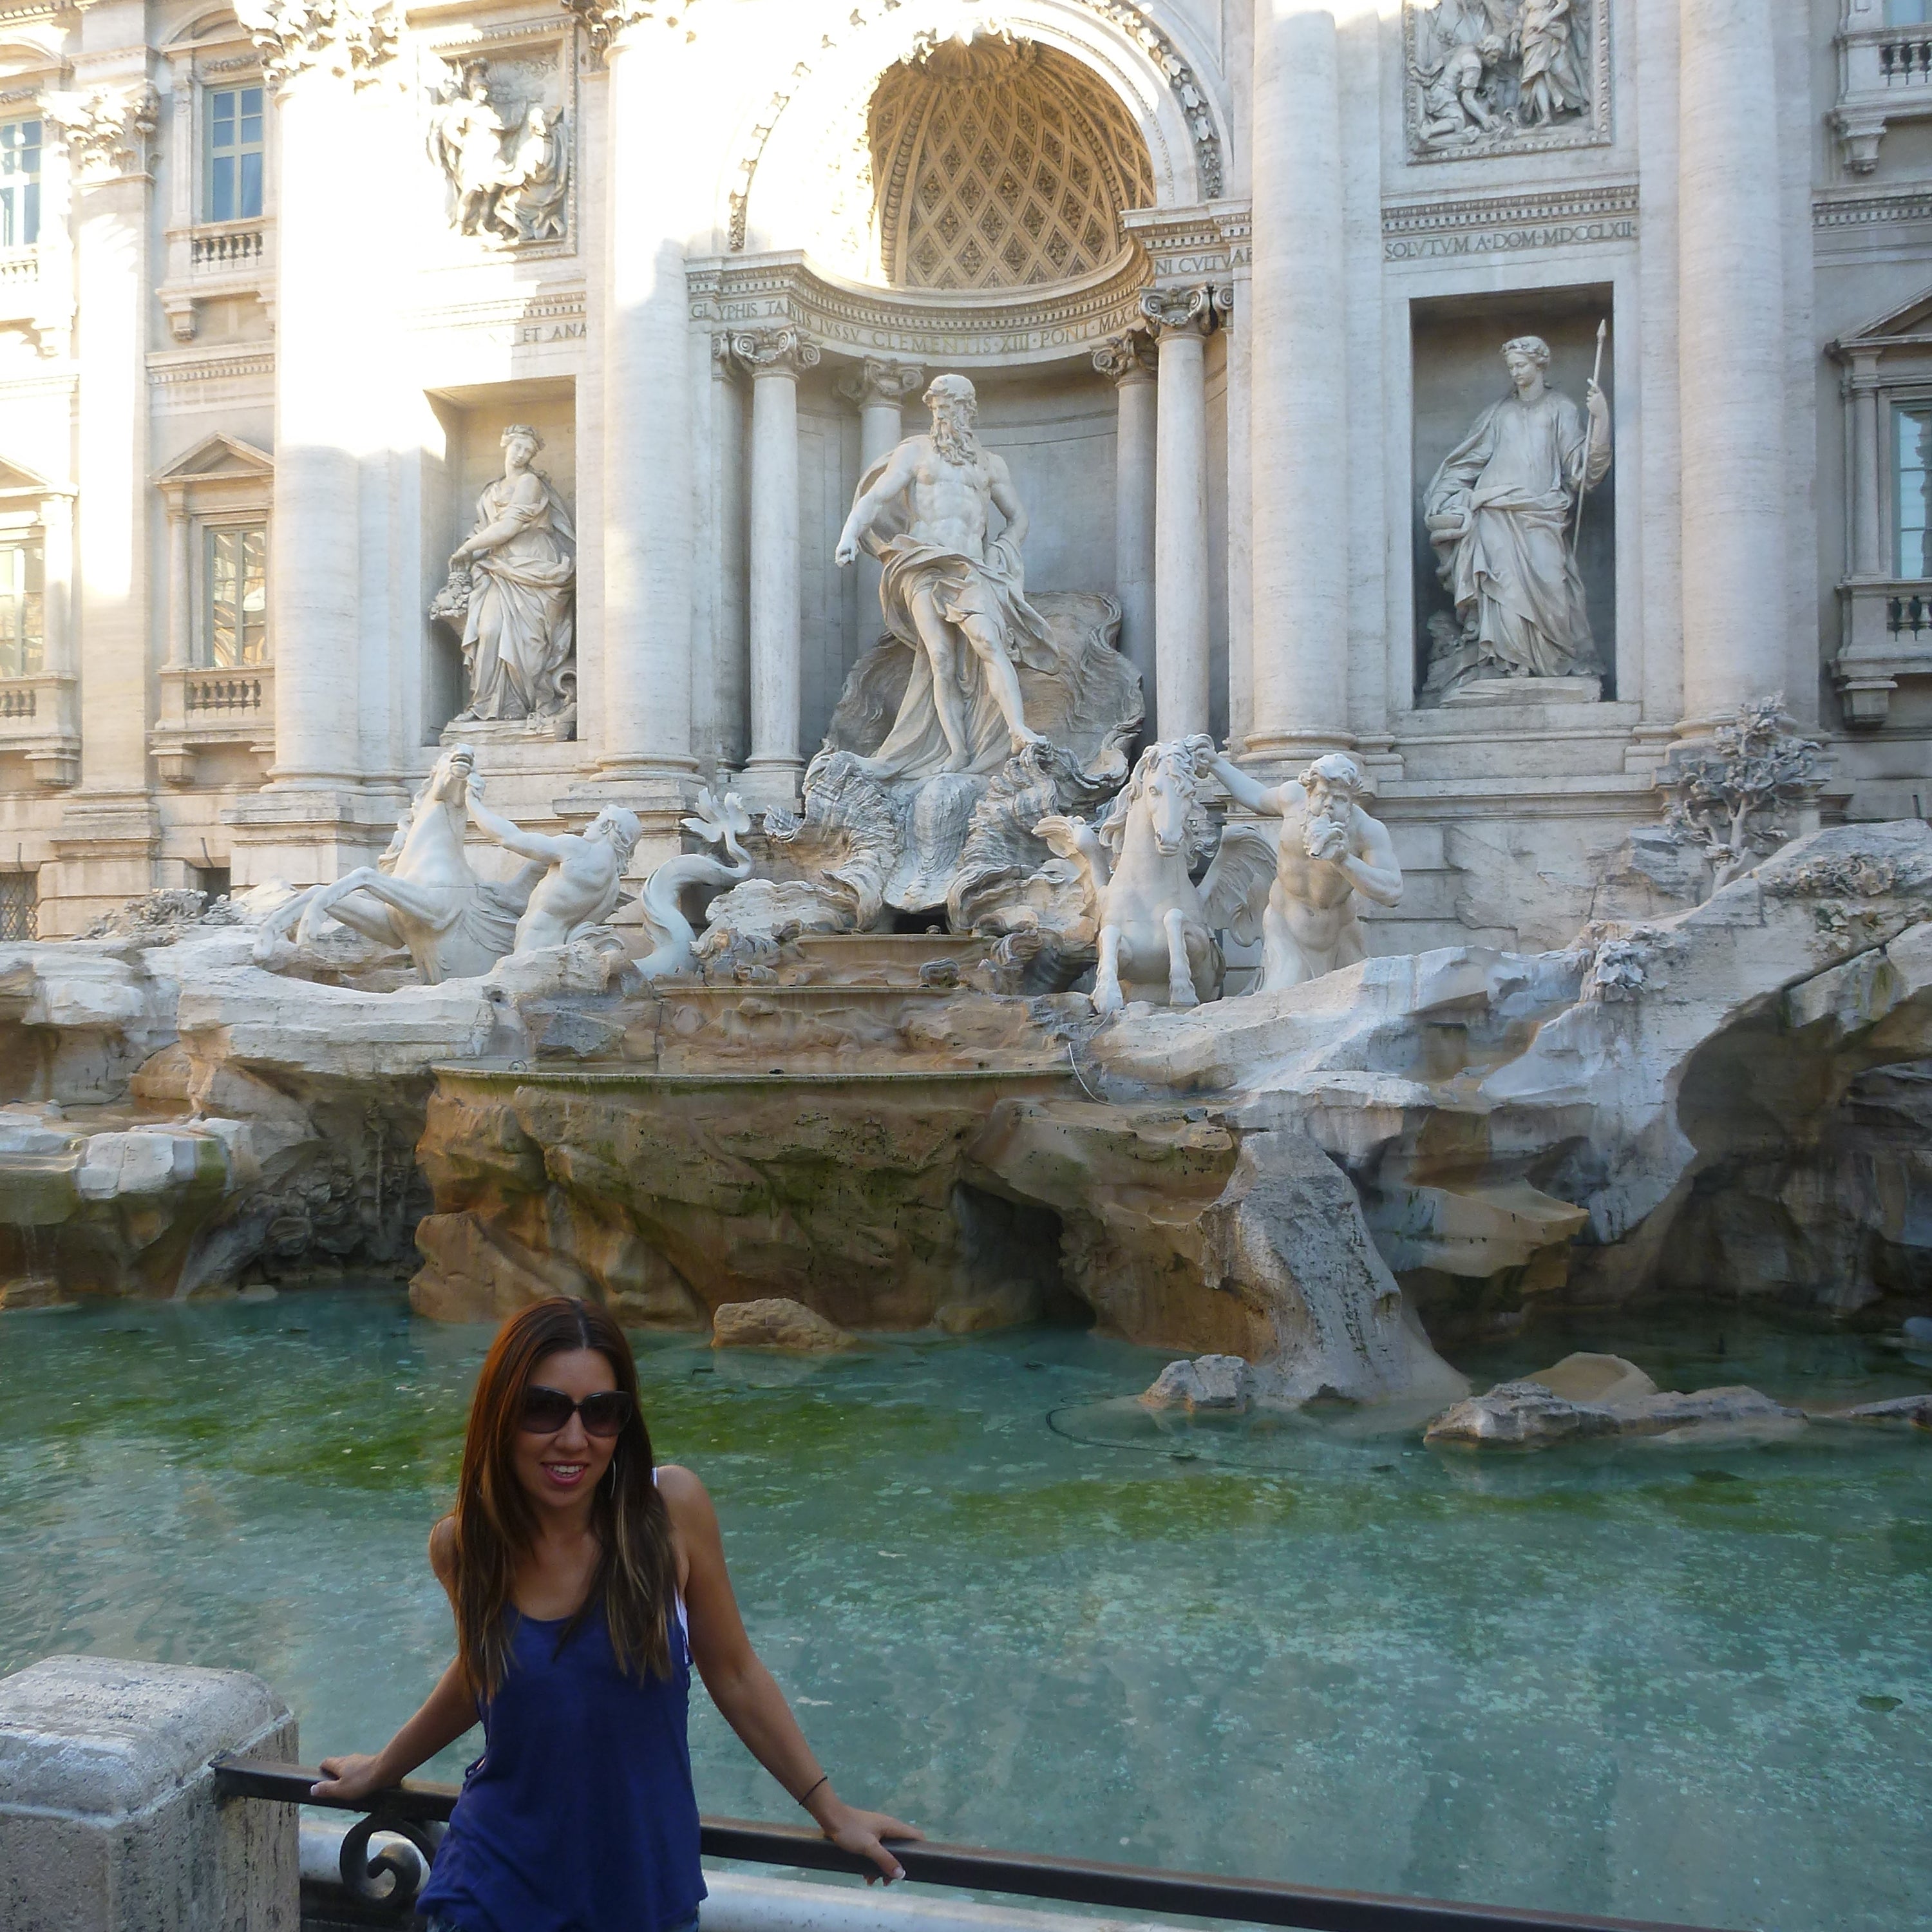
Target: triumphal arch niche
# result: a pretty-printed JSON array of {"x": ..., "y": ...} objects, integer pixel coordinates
[{"x": 1021, "y": 206}]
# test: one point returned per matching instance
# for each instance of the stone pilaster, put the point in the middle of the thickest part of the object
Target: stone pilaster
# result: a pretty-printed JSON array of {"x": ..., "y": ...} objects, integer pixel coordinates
[
  {"x": 105, "y": 850},
  {"x": 1128, "y": 361},
  {"x": 1298, "y": 345},
  {"x": 315, "y": 820},
  {"x": 774, "y": 358},
  {"x": 881, "y": 390},
  {"x": 1730, "y": 357},
  {"x": 1181, "y": 320},
  {"x": 643, "y": 735}
]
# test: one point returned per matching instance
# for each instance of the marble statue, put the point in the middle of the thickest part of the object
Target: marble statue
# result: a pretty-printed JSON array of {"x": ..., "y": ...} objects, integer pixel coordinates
[
  {"x": 423, "y": 895},
  {"x": 1500, "y": 512},
  {"x": 1153, "y": 933},
  {"x": 1303, "y": 882},
  {"x": 981, "y": 712},
  {"x": 952, "y": 592},
  {"x": 721, "y": 821},
  {"x": 582, "y": 872},
  {"x": 518, "y": 625},
  {"x": 507, "y": 179}
]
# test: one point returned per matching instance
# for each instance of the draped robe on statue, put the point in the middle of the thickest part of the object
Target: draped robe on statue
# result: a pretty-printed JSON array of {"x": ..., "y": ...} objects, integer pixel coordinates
[
  {"x": 1498, "y": 512},
  {"x": 993, "y": 589},
  {"x": 520, "y": 637}
]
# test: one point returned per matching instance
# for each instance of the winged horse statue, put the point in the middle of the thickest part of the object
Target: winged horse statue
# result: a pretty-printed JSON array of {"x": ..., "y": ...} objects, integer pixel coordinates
[
  {"x": 1154, "y": 928},
  {"x": 422, "y": 894}
]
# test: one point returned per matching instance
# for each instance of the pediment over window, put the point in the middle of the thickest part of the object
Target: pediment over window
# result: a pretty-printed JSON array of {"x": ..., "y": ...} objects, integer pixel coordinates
[
  {"x": 220, "y": 459},
  {"x": 16, "y": 480}
]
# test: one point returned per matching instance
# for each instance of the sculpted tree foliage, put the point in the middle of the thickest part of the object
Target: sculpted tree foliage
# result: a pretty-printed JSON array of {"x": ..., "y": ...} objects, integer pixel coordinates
[{"x": 1724, "y": 795}]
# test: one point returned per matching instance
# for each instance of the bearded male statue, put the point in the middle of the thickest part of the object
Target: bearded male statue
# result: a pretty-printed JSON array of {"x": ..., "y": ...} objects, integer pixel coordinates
[{"x": 951, "y": 592}]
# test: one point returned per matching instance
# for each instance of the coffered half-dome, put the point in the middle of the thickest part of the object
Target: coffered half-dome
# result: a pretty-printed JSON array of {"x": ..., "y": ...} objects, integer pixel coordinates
[{"x": 1001, "y": 164}]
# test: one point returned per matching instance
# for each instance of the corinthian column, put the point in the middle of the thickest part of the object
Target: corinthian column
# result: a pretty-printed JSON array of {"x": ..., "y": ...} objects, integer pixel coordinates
[
  {"x": 1181, "y": 319},
  {"x": 106, "y": 846},
  {"x": 1299, "y": 410},
  {"x": 772, "y": 772},
  {"x": 312, "y": 823},
  {"x": 1129, "y": 360},
  {"x": 644, "y": 734},
  {"x": 880, "y": 390},
  {"x": 1730, "y": 346}
]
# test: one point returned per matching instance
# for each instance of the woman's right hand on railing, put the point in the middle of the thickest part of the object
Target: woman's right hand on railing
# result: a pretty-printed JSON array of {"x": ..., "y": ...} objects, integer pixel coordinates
[{"x": 348, "y": 1779}]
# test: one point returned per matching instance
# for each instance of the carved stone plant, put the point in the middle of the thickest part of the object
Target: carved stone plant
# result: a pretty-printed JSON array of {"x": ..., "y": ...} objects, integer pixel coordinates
[{"x": 1726, "y": 790}]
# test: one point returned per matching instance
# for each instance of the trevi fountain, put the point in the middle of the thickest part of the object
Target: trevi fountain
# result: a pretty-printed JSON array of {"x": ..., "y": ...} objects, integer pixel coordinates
[{"x": 1156, "y": 766}]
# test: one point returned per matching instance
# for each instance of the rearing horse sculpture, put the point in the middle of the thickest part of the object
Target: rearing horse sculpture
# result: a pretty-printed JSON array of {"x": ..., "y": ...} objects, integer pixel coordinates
[
  {"x": 422, "y": 893},
  {"x": 1155, "y": 939}
]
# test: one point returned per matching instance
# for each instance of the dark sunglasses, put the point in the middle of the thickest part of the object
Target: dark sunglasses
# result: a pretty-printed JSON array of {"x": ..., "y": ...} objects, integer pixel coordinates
[{"x": 547, "y": 1410}]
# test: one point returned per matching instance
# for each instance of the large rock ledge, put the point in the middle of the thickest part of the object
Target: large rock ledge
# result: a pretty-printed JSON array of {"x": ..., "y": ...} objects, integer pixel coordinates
[{"x": 1731, "y": 1093}]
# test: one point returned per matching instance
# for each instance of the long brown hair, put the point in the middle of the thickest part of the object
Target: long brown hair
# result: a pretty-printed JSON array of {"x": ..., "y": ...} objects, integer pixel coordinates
[{"x": 636, "y": 1578}]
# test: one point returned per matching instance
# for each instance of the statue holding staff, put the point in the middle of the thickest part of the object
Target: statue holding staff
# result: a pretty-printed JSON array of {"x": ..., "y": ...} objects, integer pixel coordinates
[{"x": 1498, "y": 513}]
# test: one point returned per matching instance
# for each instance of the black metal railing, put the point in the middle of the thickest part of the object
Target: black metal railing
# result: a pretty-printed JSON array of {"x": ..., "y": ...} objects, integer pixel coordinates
[{"x": 418, "y": 1811}]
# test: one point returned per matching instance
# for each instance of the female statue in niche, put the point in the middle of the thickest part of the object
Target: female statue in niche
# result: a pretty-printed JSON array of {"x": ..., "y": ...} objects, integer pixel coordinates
[{"x": 519, "y": 630}]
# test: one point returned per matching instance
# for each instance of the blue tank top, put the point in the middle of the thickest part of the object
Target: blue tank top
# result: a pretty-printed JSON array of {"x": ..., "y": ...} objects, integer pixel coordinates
[{"x": 580, "y": 1816}]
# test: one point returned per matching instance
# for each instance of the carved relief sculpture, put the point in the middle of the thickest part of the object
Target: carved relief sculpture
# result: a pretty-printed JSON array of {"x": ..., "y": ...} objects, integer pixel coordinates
[
  {"x": 1296, "y": 891},
  {"x": 1501, "y": 512},
  {"x": 1490, "y": 76},
  {"x": 509, "y": 179},
  {"x": 510, "y": 593}
]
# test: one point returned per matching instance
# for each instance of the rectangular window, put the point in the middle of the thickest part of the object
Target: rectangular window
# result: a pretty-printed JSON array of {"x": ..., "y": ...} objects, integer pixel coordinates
[
  {"x": 237, "y": 630},
  {"x": 1905, "y": 13},
  {"x": 19, "y": 184},
  {"x": 1912, "y": 478},
  {"x": 234, "y": 154},
  {"x": 19, "y": 905},
  {"x": 22, "y": 608},
  {"x": 212, "y": 882}
]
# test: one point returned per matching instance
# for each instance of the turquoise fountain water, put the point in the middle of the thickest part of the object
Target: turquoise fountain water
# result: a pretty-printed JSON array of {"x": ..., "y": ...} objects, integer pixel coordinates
[{"x": 1015, "y": 1608}]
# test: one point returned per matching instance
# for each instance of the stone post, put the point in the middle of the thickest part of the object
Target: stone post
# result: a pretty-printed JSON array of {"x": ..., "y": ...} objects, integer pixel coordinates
[
  {"x": 1869, "y": 557},
  {"x": 880, "y": 390},
  {"x": 1182, "y": 320},
  {"x": 109, "y": 1821},
  {"x": 106, "y": 845},
  {"x": 644, "y": 734},
  {"x": 1129, "y": 360},
  {"x": 1730, "y": 346},
  {"x": 773, "y": 770},
  {"x": 180, "y": 606},
  {"x": 314, "y": 821},
  {"x": 1299, "y": 353}
]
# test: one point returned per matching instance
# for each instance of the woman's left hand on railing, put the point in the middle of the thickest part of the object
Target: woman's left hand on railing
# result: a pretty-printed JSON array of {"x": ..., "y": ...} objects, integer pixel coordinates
[{"x": 349, "y": 1778}]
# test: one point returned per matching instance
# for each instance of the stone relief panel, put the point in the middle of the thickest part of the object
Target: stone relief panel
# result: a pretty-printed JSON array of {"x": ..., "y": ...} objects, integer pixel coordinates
[
  {"x": 1504, "y": 77},
  {"x": 501, "y": 127},
  {"x": 1515, "y": 524}
]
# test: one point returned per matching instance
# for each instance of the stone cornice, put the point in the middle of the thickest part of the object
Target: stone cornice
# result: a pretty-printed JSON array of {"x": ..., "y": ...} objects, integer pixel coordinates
[
  {"x": 1005, "y": 328},
  {"x": 1186, "y": 245},
  {"x": 1858, "y": 208},
  {"x": 1508, "y": 223},
  {"x": 348, "y": 38}
]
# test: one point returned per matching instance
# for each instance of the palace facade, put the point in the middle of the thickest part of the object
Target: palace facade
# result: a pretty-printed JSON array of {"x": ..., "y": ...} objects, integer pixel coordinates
[{"x": 1231, "y": 279}]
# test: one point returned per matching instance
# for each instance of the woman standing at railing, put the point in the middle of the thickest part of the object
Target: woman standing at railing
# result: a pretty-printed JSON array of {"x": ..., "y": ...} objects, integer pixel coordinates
[{"x": 585, "y": 1582}]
